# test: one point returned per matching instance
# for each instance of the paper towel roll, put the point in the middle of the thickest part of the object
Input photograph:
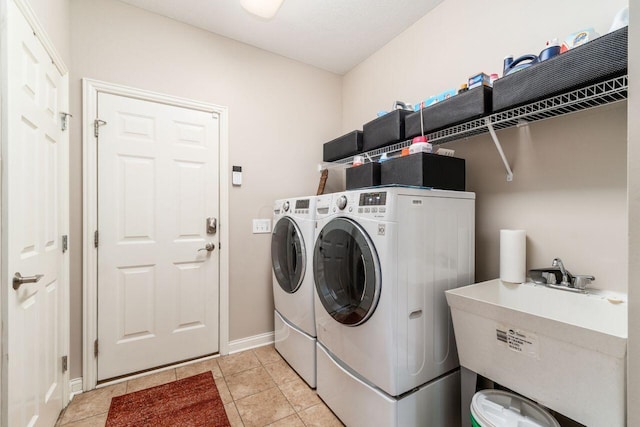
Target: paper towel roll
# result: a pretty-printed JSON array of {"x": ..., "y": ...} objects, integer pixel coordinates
[{"x": 513, "y": 255}]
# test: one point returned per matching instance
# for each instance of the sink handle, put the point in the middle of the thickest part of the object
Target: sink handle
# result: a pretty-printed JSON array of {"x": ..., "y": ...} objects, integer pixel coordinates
[
  {"x": 581, "y": 281},
  {"x": 567, "y": 279}
]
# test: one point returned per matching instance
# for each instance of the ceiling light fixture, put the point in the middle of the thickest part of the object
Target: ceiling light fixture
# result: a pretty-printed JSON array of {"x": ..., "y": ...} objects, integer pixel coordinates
[{"x": 262, "y": 8}]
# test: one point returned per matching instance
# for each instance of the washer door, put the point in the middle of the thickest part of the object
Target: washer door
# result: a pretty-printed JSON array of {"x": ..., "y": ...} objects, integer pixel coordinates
[
  {"x": 288, "y": 256},
  {"x": 346, "y": 272}
]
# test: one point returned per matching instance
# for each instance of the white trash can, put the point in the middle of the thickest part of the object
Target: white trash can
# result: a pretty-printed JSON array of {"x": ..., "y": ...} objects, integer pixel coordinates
[{"x": 496, "y": 408}]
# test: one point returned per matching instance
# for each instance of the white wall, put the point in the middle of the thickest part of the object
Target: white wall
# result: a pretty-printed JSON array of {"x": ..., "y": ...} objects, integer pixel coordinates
[
  {"x": 280, "y": 112},
  {"x": 569, "y": 187},
  {"x": 54, "y": 17},
  {"x": 633, "y": 382}
]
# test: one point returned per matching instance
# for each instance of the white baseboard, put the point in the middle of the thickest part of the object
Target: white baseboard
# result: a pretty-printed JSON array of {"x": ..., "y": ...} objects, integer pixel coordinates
[
  {"x": 251, "y": 342},
  {"x": 75, "y": 387}
]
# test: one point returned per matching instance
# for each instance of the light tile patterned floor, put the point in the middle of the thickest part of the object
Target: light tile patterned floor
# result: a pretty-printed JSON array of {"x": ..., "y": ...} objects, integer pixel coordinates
[{"x": 257, "y": 387}]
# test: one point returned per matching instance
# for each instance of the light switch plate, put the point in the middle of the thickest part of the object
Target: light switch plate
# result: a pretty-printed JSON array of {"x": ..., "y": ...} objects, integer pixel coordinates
[{"x": 261, "y": 226}]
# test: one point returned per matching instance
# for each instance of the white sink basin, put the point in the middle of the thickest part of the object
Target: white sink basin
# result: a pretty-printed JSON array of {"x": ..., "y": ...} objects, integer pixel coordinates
[{"x": 565, "y": 350}]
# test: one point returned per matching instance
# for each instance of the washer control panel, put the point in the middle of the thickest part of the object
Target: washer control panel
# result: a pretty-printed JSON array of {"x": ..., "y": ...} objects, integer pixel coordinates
[
  {"x": 301, "y": 207},
  {"x": 373, "y": 203},
  {"x": 373, "y": 199},
  {"x": 369, "y": 203}
]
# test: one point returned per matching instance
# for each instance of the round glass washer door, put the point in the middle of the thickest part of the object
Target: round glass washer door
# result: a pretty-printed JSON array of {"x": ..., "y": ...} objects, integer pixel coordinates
[
  {"x": 288, "y": 257},
  {"x": 346, "y": 272}
]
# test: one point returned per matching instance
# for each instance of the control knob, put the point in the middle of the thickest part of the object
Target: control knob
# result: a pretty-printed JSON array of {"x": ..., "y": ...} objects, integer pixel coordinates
[
  {"x": 285, "y": 206},
  {"x": 341, "y": 202}
]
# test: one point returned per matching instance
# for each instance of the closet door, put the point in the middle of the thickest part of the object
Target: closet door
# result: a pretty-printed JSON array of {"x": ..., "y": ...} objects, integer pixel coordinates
[{"x": 34, "y": 219}]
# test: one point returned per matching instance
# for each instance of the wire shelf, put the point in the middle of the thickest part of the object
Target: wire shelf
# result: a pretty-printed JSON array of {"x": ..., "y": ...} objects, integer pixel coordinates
[
  {"x": 580, "y": 99},
  {"x": 595, "y": 95}
]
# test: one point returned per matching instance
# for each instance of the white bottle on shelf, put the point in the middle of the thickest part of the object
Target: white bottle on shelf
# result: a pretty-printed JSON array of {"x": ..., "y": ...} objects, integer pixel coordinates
[{"x": 419, "y": 144}]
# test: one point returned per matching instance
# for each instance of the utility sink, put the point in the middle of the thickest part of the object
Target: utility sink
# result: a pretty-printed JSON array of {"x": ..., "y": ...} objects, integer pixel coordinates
[{"x": 565, "y": 350}]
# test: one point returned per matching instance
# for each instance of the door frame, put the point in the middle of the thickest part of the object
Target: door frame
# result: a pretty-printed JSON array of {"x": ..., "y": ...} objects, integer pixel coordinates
[
  {"x": 38, "y": 30},
  {"x": 90, "y": 90}
]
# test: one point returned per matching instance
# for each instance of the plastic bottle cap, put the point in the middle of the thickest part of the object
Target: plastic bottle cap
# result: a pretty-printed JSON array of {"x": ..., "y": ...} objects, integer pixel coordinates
[{"x": 419, "y": 139}]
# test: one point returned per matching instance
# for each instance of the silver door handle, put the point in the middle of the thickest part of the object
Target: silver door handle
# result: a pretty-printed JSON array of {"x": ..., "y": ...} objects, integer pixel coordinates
[
  {"x": 18, "y": 279},
  {"x": 208, "y": 247}
]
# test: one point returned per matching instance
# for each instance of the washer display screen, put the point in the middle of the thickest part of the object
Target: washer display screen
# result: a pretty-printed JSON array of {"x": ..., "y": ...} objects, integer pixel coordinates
[
  {"x": 302, "y": 204},
  {"x": 373, "y": 199}
]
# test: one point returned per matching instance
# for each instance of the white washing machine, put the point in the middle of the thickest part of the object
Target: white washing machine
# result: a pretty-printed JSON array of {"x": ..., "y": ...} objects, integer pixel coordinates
[
  {"x": 291, "y": 259},
  {"x": 382, "y": 261}
]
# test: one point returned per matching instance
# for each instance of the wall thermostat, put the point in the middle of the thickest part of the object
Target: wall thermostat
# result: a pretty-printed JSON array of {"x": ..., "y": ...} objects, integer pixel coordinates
[{"x": 236, "y": 175}]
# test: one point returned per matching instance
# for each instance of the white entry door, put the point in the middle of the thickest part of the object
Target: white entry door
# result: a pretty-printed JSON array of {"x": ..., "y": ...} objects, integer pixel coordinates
[
  {"x": 34, "y": 219},
  {"x": 158, "y": 263}
]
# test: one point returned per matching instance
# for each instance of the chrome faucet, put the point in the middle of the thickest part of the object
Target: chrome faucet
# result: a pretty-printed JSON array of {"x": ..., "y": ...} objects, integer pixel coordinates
[
  {"x": 557, "y": 262},
  {"x": 577, "y": 283}
]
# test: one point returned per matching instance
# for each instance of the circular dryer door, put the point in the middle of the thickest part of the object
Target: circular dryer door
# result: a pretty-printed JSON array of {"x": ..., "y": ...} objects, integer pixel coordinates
[
  {"x": 346, "y": 272},
  {"x": 288, "y": 257}
]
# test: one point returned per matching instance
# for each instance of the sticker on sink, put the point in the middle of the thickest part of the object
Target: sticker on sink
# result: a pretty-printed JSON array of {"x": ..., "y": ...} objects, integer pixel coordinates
[{"x": 518, "y": 340}]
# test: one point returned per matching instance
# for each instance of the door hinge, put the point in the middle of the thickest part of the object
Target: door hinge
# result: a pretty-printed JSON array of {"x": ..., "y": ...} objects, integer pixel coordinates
[
  {"x": 65, "y": 364},
  {"x": 64, "y": 120},
  {"x": 65, "y": 243},
  {"x": 95, "y": 239},
  {"x": 96, "y": 126},
  {"x": 95, "y": 348}
]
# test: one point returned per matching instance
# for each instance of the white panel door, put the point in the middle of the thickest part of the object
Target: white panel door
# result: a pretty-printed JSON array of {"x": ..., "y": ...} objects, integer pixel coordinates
[
  {"x": 157, "y": 185},
  {"x": 34, "y": 219}
]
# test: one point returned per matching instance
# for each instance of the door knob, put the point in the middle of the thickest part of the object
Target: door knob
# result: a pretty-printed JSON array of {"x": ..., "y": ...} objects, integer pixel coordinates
[
  {"x": 18, "y": 279},
  {"x": 208, "y": 247}
]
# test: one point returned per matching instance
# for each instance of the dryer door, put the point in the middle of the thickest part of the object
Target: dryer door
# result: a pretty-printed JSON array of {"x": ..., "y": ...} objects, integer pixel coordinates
[
  {"x": 288, "y": 256},
  {"x": 346, "y": 272}
]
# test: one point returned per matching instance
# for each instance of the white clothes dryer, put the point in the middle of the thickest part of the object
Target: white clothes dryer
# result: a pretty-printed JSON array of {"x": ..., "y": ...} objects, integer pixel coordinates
[
  {"x": 291, "y": 259},
  {"x": 382, "y": 261}
]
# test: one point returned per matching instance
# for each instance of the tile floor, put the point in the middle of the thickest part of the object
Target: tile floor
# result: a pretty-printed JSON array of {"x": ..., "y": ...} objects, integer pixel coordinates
[{"x": 257, "y": 387}]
